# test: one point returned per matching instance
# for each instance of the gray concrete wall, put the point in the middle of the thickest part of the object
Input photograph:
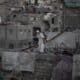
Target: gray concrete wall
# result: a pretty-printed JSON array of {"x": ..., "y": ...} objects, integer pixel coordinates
[
  {"x": 72, "y": 18},
  {"x": 2, "y": 32}
]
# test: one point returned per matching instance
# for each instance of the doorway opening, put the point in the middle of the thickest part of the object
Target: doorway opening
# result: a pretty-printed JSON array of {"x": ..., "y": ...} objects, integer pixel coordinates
[
  {"x": 36, "y": 2},
  {"x": 34, "y": 31},
  {"x": 35, "y": 39},
  {"x": 11, "y": 46}
]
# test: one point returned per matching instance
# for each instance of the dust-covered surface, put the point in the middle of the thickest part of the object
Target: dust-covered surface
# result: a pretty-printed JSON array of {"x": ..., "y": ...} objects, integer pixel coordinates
[
  {"x": 18, "y": 61},
  {"x": 20, "y": 56}
]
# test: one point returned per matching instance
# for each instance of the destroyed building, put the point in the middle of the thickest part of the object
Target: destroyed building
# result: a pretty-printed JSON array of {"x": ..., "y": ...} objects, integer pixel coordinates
[
  {"x": 20, "y": 58},
  {"x": 16, "y": 22}
]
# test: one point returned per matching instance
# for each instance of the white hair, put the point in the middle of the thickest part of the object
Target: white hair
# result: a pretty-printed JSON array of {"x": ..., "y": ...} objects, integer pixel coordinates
[{"x": 37, "y": 31}]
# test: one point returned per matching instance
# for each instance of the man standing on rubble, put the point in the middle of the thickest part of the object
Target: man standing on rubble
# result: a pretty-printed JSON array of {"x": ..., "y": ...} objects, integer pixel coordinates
[{"x": 41, "y": 42}]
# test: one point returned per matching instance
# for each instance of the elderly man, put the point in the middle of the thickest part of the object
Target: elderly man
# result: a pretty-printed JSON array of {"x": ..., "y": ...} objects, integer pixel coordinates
[{"x": 41, "y": 42}]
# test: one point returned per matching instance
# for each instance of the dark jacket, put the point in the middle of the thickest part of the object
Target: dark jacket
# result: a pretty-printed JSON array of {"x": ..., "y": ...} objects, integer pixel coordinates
[{"x": 63, "y": 70}]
